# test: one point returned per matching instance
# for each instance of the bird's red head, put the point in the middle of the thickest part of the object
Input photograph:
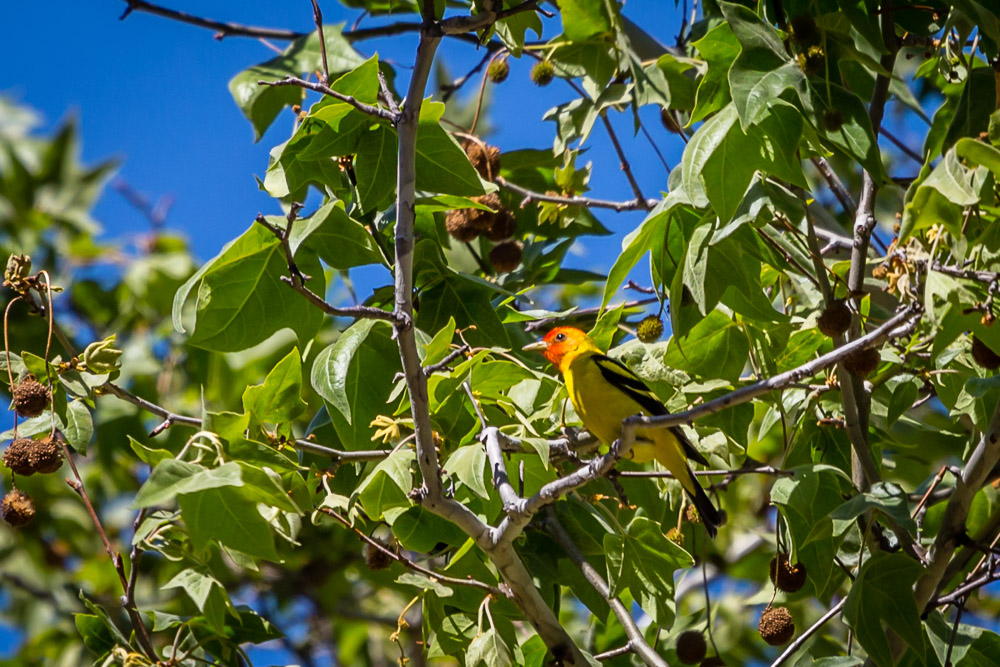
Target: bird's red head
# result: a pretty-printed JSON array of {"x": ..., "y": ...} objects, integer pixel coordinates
[{"x": 560, "y": 342}]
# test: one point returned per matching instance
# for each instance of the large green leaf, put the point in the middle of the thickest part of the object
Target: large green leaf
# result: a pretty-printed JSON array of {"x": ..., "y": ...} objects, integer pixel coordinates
[
  {"x": 940, "y": 197},
  {"x": 207, "y": 593},
  {"x": 339, "y": 240},
  {"x": 584, "y": 18},
  {"x": 354, "y": 376},
  {"x": 375, "y": 165},
  {"x": 442, "y": 165},
  {"x": 278, "y": 399},
  {"x": 241, "y": 298},
  {"x": 713, "y": 348},
  {"x": 261, "y": 104},
  {"x": 227, "y": 515},
  {"x": 636, "y": 244},
  {"x": 469, "y": 303},
  {"x": 883, "y": 593},
  {"x": 643, "y": 561},
  {"x": 719, "y": 48},
  {"x": 172, "y": 477}
]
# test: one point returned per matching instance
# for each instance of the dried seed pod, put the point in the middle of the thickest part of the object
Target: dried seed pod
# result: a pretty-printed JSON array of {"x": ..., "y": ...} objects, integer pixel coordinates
[
  {"x": 26, "y": 456},
  {"x": 480, "y": 219},
  {"x": 543, "y": 73},
  {"x": 31, "y": 397},
  {"x": 498, "y": 70},
  {"x": 691, "y": 647},
  {"x": 863, "y": 362},
  {"x": 457, "y": 224},
  {"x": 375, "y": 558},
  {"x": 485, "y": 158},
  {"x": 776, "y": 626},
  {"x": 676, "y": 536},
  {"x": 785, "y": 576},
  {"x": 984, "y": 355},
  {"x": 650, "y": 329},
  {"x": 835, "y": 319},
  {"x": 17, "y": 508},
  {"x": 506, "y": 256},
  {"x": 504, "y": 226},
  {"x": 714, "y": 661},
  {"x": 813, "y": 61}
]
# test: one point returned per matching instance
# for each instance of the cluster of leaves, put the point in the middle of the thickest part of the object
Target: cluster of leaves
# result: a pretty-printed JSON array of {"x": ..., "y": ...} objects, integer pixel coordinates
[{"x": 266, "y": 499}]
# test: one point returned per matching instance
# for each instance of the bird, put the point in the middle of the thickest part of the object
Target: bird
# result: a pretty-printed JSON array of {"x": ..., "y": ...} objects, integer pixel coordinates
[{"x": 604, "y": 391}]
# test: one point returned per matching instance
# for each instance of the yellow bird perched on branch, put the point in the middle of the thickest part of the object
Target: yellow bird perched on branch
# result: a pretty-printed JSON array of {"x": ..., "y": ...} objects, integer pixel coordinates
[{"x": 605, "y": 391}]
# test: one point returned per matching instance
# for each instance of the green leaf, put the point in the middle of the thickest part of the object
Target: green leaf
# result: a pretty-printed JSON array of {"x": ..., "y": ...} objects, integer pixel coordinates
[
  {"x": 882, "y": 592},
  {"x": 353, "y": 376},
  {"x": 339, "y": 240},
  {"x": 885, "y": 497},
  {"x": 488, "y": 649},
  {"x": 375, "y": 166},
  {"x": 719, "y": 48},
  {"x": 442, "y": 165},
  {"x": 940, "y": 197},
  {"x": 583, "y": 18},
  {"x": 242, "y": 300},
  {"x": 468, "y": 463},
  {"x": 763, "y": 70},
  {"x": 806, "y": 499},
  {"x": 469, "y": 303},
  {"x": 978, "y": 152},
  {"x": 643, "y": 560},
  {"x": 418, "y": 529},
  {"x": 226, "y": 515},
  {"x": 636, "y": 244},
  {"x": 606, "y": 326},
  {"x": 172, "y": 477},
  {"x": 389, "y": 484},
  {"x": 714, "y": 348},
  {"x": 76, "y": 425},
  {"x": 278, "y": 400},
  {"x": 261, "y": 104},
  {"x": 425, "y": 583},
  {"x": 977, "y": 102},
  {"x": 855, "y": 137},
  {"x": 206, "y": 592}
]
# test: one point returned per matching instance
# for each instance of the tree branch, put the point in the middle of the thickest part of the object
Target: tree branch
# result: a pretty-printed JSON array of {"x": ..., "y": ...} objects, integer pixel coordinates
[
  {"x": 530, "y": 196},
  {"x": 636, "y": 641},
  {"x": 223, "y": 28},
  {"x": 369, "y": 109}
]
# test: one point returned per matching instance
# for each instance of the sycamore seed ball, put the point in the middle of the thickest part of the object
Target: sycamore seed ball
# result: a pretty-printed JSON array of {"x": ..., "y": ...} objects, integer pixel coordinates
[
  {"x": 863, "y": 362},
  {"x": 457, "y": 224},
  {"x": 835, "y": 319},
  {"x": 506, "y": 256},
  {"x": 984, "y": 355},
  {"x": 543, "y": 73},
  {"x": 498, "y": 70},
  {"x": 31, "y": 398},
  {"x": 485, "y": 158},
  {"x": 480, "y": 219},
  {"x": 785, "y": 576},
  {"x": 17, "y": 508},
  {"x": 26, "y": 456},
  {"x": 714, "y": 661},
  {"x": 504, "y": 226},
  {"x": 650, "y": 329},
  {"x": 804, "y": 29},
  {"x": 691, "y": 647},
  {"x": 376, "y": 559},
  {"x": 776, "y": 626},
  {"x": 833, "y": 120}
]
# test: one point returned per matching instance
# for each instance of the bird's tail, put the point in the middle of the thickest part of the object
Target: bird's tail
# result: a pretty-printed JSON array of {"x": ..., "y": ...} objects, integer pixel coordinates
[
  {"x": 711, "y": 517},
  {"x": 670, "y": 455}
]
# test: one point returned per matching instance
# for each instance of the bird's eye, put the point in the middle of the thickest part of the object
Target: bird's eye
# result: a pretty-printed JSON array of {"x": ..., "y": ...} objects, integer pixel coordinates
[{"x": 560, "y": 337}]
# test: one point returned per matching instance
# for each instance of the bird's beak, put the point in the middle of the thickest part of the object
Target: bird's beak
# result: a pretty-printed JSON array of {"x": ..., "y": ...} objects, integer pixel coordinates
[{"x": 537, "y": 346}]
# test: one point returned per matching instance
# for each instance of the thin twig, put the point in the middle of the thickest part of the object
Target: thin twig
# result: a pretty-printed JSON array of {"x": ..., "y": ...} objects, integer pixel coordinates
[
  {"x": 623, "y": 161},
  {"x": 409, "y": 564},
  {"x": 223, "y": 28},
  {"x": 443, "y": 364},
  {"x": 369, "y": 109},
  {"x": 576, "y": 200},
  {"x": 318, "y": 18},
  {"x": 906, "y": 150}
]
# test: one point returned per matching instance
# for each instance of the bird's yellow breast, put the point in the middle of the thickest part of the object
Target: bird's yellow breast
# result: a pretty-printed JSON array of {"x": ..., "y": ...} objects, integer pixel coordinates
[{"x": 600, "y": 407}]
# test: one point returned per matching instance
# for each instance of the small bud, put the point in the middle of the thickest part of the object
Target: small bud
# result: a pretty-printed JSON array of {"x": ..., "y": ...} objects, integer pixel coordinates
[
  {"x": 692, "y": 514},
  {"x": 18, "y": 268},
  {"x": 676, "y": 536},
  {"x": 101, "y": 357}
]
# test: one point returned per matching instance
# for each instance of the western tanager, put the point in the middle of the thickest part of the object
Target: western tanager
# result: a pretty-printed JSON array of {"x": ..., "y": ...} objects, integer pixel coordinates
[{"x": 604, "y": 392}]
